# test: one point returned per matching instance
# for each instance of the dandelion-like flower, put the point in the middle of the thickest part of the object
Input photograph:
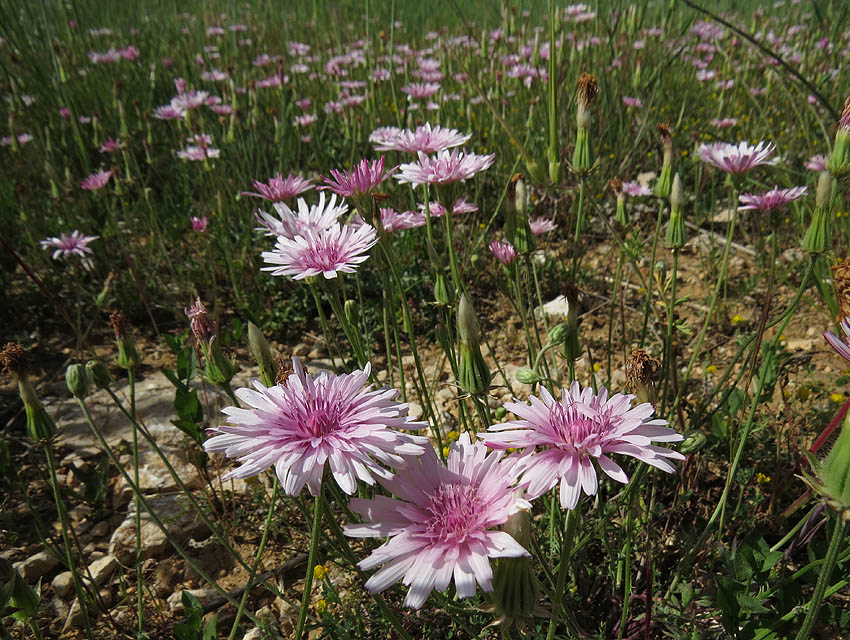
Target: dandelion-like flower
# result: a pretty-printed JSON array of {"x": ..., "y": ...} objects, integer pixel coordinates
[
  {"x": 425, "y": 138},
  {"x": 360, "y": 180},
  {"x": 635, "y": 189},
  {"x": 279, "y": 189},
  {"x": 198, "y": 153},
  {"x": 304, "y": 424},
  {"x": 541, "y": 225},
  {"x": 421, "y": 90},
  {"x": 96, "y": 180},
  {"x": 384, "y": 136},
  {"x": 576, "y": 430},
  {"x": 73, "y": 244},
  {"x": 337, "y": 248},
  {"x": 736, "y": 158},
  {"x": 772, "y": 200},
  {"x": 443, "y": 168},
  {"x": 111, "y": 146},
  {"x": 442, "y": 523},
  {"x": 816, "y": 163},
  {"x": 504, "y": 252},
  {"x": 199, "y": 224},
  {"x": 290, "y": 223},
  {"x": 200, "y": 321}
]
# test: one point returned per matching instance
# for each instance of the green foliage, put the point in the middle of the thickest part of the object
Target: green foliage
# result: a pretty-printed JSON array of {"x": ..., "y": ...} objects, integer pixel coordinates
[{"x": 193, "y": 627}]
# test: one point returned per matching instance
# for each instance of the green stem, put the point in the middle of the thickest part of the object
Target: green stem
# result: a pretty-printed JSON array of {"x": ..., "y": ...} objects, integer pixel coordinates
[
  {"x": 839, "y": 532},
  {"x": 311, "y": 563},
  {"x": 257, "y": 559},
  {"x": 579, "y": 225},
  {"x": 669, "y": 357},
  {"x": 140, "y": 592},
  {"x": 558, "y": 608},
  {"x": 648, "y": 307}
]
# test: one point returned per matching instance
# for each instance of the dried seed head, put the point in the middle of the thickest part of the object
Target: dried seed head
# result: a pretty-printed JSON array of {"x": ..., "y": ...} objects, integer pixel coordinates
[
  {"x": 664, "y": 129},
  {"x": 841, "y": 281},
  {"x": 615, "y": 184},
  {"x": 587, "y": 89},
  {"x": 14, "y": 359},
  {"x": 641, "y": 370},
  {"x": 284, "y": 368},
  {"x": 119, "y": 324}
]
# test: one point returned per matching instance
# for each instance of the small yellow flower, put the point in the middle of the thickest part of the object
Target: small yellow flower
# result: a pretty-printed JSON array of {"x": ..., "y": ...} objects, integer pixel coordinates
[
  {"x": 445, "y": 452},
  {"x": 712, "y": 368},
  {"x": 451, "y": 436},
  {"x": 596, "y": 367},
  {"x": 319, "y": 572},
  {"x": 836, "y": 397},
  {"x": 321, "y": 607},
  {"x": 761, "y": 478},
  {"x": 736, "y": 319}
]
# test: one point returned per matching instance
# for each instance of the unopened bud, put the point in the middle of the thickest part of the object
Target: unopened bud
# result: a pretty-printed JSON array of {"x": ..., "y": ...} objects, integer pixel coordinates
[
  {"x": 219, "y": 370},
  {"x": 467, "y": 322},
  {"x": 526, "y": 375},
  {"x": 352, "y": 314},
  {"x": 262, "y": 353},
  {"x": 515, "y": 587},
  {"x": 77, "y": 380},
  {"x": 676, "y": 236},
  {"x": 473, "y": 373},
  {"x": 838, "y": 163},
  {"x": 558, "y": 333},
  {"x": 521, "y": 197},
  {"x": 99, "y": 374},
  {"x": 442, "y": 292},
  {"x": 819, "y": 234}
]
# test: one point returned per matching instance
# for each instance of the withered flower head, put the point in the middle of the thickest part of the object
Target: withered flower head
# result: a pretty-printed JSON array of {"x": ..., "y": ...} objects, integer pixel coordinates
[
  {"x": 841, "y": 281},
  {"x": 119, "y": 324},
  {"x": 587, "y": 89},
  {"x": 14, "y": 359},
  {"x": 284, "y": 369},
  {"x": 615, "y": 184},
  {"x": 664, "y": 129},
  {"x": 641, "y": 369}
]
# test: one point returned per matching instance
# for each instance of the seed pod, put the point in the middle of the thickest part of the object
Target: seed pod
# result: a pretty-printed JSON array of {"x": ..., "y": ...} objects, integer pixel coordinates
[{"x": 77, "y": 380}]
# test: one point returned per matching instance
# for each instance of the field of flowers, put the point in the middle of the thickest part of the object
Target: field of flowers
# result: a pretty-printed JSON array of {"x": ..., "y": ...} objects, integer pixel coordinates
[{"x": 425, "y": 320}]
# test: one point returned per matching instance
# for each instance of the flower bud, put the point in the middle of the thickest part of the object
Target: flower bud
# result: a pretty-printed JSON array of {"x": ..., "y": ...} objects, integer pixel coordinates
[
  {"x": 467, "y": 322},
  {"x": 587, "y": 90},
  {"x": 664, "y": 185},
  {"x": 262, "y": 353},
  {"x": 693, "y": 442},
  {"x": 442, "y": 292},
  {"x": 676, "y": 236},
  {"x": 558, "y": 333},
  {"x": 98, "y": 373},
  {"x": 571, "y": 349},
  {"x": 520, "y": 197},
  {"x": 838, "y": 163},
  {"x": 473, "y": 373},
  {"x": 351, "y": 311},
  {"x": 77, "y": 380},
  {"x": 219, "y": 370},
  {"x": 515, "y": 587},
  {"x": 819, "y": 234},
  {"x": 527, "y": 376},
  {"x": 128, "y": 356}
]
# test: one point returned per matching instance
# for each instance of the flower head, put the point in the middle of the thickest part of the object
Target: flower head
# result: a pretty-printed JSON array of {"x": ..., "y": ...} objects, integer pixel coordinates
[
  {"x": 503, "y": 251},
  {"x": 280, "y": 189},
  {"x": 772, "y": 200},
  {"x": 66, "y": 245},
  {"x": 337, "y": 248},
  {"x": 290, "y": 223},
  {"x": 816, "y": 163},
  {"x": 306, "y": 423},
  {"x": 96, "y": 180},
  {"x": 443, "y": 168},
  {"x": 111, "y": 145},
  {"x": 541, "y": 225},
  {"x": 420, "y": 90},
  {"x": 442, "y": 523},
  {"x": 841, "y": 347},
  {"x": 736, "y": 158},
  {"x": 425, "y": 138},
  {"x": 360, "y": 180},
  {"x": 200, "y": 224},
  {"x": 635, "y": 189},
  {"x": 197, "y": 153},
  {"x": 575, "y": 430},
  {"x": 199, "y": 321}
]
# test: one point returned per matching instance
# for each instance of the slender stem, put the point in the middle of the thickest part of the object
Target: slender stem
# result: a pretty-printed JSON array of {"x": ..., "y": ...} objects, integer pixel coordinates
[
  {"x": 140, "y": 592},
  {"x": 257, "y": 559},
  {"x": 839, "y": 532},
  {"x": 329, "y": 337},
  {"x": 558, "y": 609},
  {"x": 669, "y": 358},
  {"x": 311, "y": 562},
  {"x": 648, "y": 307},
  {"x": 579, "y": 225}
]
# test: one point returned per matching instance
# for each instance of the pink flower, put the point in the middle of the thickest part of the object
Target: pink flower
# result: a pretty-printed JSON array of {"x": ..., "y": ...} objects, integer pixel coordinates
[
  {"x": 391, "y": 220},
  {"x": 195, "y": 153},
  {"x": 305, "y": 424},
  {"x": 96, "y": 180},
  {"x": 736, "y": 158},
  {"x": 635, "y": 189},
  {"x": 65, "y": 112},
  {"x": 444, "y": 167},
  {"x": 279, "y": 189},
  {"x": 437, "y": 210},
  {"x": 290, "y": 224},
  {"x": 67, "y": 245},
  {"x": 337, "y": 248},
  {"x": 816, "y": 163},
  {"x": 303, "y": 121},
  {"x": 361, "y": 180},
  {"x": 632, "y": 102},
  {"x": 772, "y": 200},
  {"x": 111, "y": 145},
  {"x": 169, "y": 112},
  {"x": 425, "y": 139},
  {"x": 200, "y": 224},
  {"x": 503, "y": 251},
  {"x": 724, "y": 123},
  {"x": 443, "y": 522},
  {"x": 834, "y": 341},
  {"x": 575, "y": 430},
  {"x": 199, "y": 321},
  {"x": 541, "y": 225},
  {"x": 420, "y": 90}
]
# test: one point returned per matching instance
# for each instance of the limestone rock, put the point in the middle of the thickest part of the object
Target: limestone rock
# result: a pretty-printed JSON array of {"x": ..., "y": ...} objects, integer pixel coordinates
[{"x": 36, "y": 565}]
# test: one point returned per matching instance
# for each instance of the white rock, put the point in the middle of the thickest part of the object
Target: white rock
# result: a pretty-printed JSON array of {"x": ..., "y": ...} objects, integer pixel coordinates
[
  {"x": 557, "y": 308},
  {"x": 102, "y": 568},
  {"x": 204, "y": 596},
  {"x": 63, "y": 584},
  {"x": 414, "y": 410},
  {"x": 36, "y": 565}
]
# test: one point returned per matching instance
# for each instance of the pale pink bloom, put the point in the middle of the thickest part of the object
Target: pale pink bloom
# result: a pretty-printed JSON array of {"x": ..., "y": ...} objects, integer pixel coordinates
[
  {"x": 22, "y": 138},
  {"x": 221, "y": 109},
  {"x": 724, "y": 123},
  {"x": 214, "y": 75},
  {"x": 305, "y": 424},
  {"x": 238, "y": 27},
  {"x": 736, "y": 158},
  {"x": 361, "y": 180},
  {"x": 575, "y": 430},
  {"x": 541, "y": 225},
  {"x": 169, "y": 112},
  {"x": 635, "y": 189},
  {"x": 442, "y": 524},
  {"x": 303, "y": 104},
  {"x": 304, "y": 121},
  {"x": 215, "y": 31},
  {"x": 200, "y": 224},
  {"x": 192, "y": 152},
  {"x": 632, "y": 102},
  {"x": 96, "y": 180},
  {"x": 436, "y": 210},
  {"x": 67, "y": 245},
  {"x": 443, "y": 168},
  {"x": 425, "y": 138},
  {"x": 504, "y": 252},
  {"x": 129, "y": 53},
  {"x": 290, "y": 223},
  {"x": 816, "y": 163},
  {"x": 705, "y": 74},
  {"x": 262, "y": 60},
  {"x": 306, "y": 138},
  {"x": 380, "y": 74},
  {"x": 202, "y": 139},
  {"x": 335, "y": 249},
  {"x": 111, "y": 145},
  {"x": 279, "y": 189},
  {"x": 391, "y": 220},
  {"x": 65, "y": 112},
  {"x": 102, "y": 58},
  {"x": 272, "y": 81},
  {"x": 840, "y": 346},
  {"x": 190, "y": 100},
  {"x": 384, "y": 136},
  {"x": 772, "y": 200},
  {"x": 420, "y": 90}
]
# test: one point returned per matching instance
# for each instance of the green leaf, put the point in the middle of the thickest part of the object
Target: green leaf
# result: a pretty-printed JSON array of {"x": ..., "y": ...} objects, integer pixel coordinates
[
  {"x": 727, "y": 600},
  {"x": 209, "y": 629}
]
